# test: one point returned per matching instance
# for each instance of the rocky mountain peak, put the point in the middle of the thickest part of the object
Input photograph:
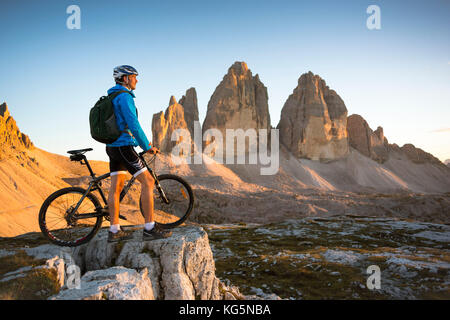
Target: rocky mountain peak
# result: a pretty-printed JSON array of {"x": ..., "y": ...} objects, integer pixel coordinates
[
  {"x": 240, "y": 101},
  {"x": 4, "y": 112},
  {"x": 172, "y": 100},
  {"x": 10, "y": 136},
  {"x": 380, "y": 134},
  {"x": 190, "y": 106},
  {"x": 239, "y": 68},
  {"x": 178, "y": 115},
  {"x": 313, "y": 121}
]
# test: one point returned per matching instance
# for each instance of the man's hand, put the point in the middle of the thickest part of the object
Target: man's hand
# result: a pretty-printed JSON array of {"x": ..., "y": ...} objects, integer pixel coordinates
[{"x": 153, "y": 150}]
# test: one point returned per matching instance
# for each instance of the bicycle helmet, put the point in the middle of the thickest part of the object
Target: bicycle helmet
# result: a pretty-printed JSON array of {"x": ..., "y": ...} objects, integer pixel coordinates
[{"x": 123, "y": 70}]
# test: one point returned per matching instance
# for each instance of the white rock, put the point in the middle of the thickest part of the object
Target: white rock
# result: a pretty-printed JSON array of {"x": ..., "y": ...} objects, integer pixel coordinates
[{"x": 116, "y": 283}]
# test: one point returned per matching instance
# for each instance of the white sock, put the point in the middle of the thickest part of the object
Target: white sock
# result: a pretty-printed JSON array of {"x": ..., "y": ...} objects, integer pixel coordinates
[
  {"x": 114, "y": 228},
  {"x": 149, "y": 225}
]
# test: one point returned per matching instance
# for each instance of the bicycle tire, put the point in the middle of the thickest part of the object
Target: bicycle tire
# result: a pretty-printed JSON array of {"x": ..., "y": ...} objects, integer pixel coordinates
[
  {"x": 53, "y": 236},
  {"x": 157, "y": 200}
]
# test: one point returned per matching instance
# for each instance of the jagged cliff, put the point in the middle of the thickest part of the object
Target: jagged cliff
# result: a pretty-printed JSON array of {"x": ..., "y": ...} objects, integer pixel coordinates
[
  {"x": 11, "y": 139},
  {"x": 178, "y": 115}
]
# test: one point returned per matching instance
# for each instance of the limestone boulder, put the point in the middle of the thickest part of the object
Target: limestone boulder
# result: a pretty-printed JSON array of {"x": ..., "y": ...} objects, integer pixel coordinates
[
  {"x": 313, "y": 122},
  {"x": 179, "y": 267},
  {"x": 116, "y": 283}
]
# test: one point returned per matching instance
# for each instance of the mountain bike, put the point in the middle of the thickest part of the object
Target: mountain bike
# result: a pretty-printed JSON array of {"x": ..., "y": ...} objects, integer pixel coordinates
[{"x": 72, "y": 216}]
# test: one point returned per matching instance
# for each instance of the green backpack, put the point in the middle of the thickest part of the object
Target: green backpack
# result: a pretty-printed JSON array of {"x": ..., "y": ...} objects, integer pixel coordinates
[{"x": 102, "y": 120}]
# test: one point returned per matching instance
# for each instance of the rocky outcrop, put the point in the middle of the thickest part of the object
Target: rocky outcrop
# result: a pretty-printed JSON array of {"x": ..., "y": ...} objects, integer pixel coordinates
[
  {"x": 165, "y": 123},
  {"x": 361, "y": 137},
  {"x": 10, "y": 136},
  {"x": 313, "y": 122},
  {"x": 240, "y": 101},
  {"x": 417, "y": 155},
  {"x": 179, "y": 115},
  {"x": 447, "y": 162},
  {"x": 116, "y": 283},
  {"x": 178, "y": 267},
  {"x": 190, "y": 107},
  {"x": 374, "y": 144}
]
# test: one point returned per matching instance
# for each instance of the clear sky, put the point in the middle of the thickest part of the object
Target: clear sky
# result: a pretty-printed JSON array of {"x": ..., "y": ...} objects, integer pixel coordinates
[{"x": 397, "y": 77}]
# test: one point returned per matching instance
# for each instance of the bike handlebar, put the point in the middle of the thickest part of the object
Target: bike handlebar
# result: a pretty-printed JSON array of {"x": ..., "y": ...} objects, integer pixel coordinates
[
  {"x": 144, "y": 152},
  {"x": 141, "y": 154}
]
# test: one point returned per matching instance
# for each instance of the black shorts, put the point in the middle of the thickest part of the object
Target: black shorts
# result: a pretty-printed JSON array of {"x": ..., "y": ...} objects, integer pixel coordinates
[{"x": 122, "y": 159}]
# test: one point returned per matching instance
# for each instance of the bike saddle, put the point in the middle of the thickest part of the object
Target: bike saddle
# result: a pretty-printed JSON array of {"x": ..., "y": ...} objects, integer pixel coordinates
[{"x": 81, "y": 151}]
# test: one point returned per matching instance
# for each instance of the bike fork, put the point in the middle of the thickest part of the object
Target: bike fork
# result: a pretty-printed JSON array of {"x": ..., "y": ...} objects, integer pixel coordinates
[{"x": 158, "y": 187}]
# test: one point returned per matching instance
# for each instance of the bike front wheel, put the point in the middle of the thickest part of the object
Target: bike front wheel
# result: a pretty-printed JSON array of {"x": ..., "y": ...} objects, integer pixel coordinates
[
  {"x": 174, "y": 203},
  {"x": 65, "y": 227}
]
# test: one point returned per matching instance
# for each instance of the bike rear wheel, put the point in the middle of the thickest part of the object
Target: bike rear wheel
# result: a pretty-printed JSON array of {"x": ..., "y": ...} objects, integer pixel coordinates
[
  {"x": 181, "y": 201},
  {"x": 56, "y": 217}
]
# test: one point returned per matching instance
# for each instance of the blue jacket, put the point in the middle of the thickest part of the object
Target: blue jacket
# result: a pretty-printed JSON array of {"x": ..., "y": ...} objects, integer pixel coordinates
[{"x": 125, "y": 111}]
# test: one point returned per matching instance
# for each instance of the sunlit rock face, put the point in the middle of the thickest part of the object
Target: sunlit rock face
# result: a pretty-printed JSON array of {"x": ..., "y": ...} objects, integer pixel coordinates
[
  {"x": 178, "y": 115},
  {"x": 240, "y": 101},
  {"x": 10, "y": 136},
  {"x": 165, "y": 123},
  {"x": 313, "y": 122}
]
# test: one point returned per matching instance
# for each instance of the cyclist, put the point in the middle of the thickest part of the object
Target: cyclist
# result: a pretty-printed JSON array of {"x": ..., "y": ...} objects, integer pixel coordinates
[{"x": 123, "y": 158}]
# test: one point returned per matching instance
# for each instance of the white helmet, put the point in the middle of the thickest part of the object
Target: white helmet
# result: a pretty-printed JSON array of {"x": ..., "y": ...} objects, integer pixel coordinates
[{"x": 123, "y": 70}]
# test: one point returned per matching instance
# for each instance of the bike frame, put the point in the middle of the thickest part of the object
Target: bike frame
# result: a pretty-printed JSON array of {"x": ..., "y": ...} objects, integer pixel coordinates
[{"x": 96, "y": 184}]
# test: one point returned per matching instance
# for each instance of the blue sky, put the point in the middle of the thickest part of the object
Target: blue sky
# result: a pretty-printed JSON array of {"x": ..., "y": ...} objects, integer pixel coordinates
[{"x": 397, "y": 77}]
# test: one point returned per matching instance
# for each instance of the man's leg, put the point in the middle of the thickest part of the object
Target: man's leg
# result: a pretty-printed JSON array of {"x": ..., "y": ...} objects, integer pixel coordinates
[
  {"x": 151, "y": 230},
  {"x": 147, "y": 185},
  {"x": 117, "y": 183}
]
